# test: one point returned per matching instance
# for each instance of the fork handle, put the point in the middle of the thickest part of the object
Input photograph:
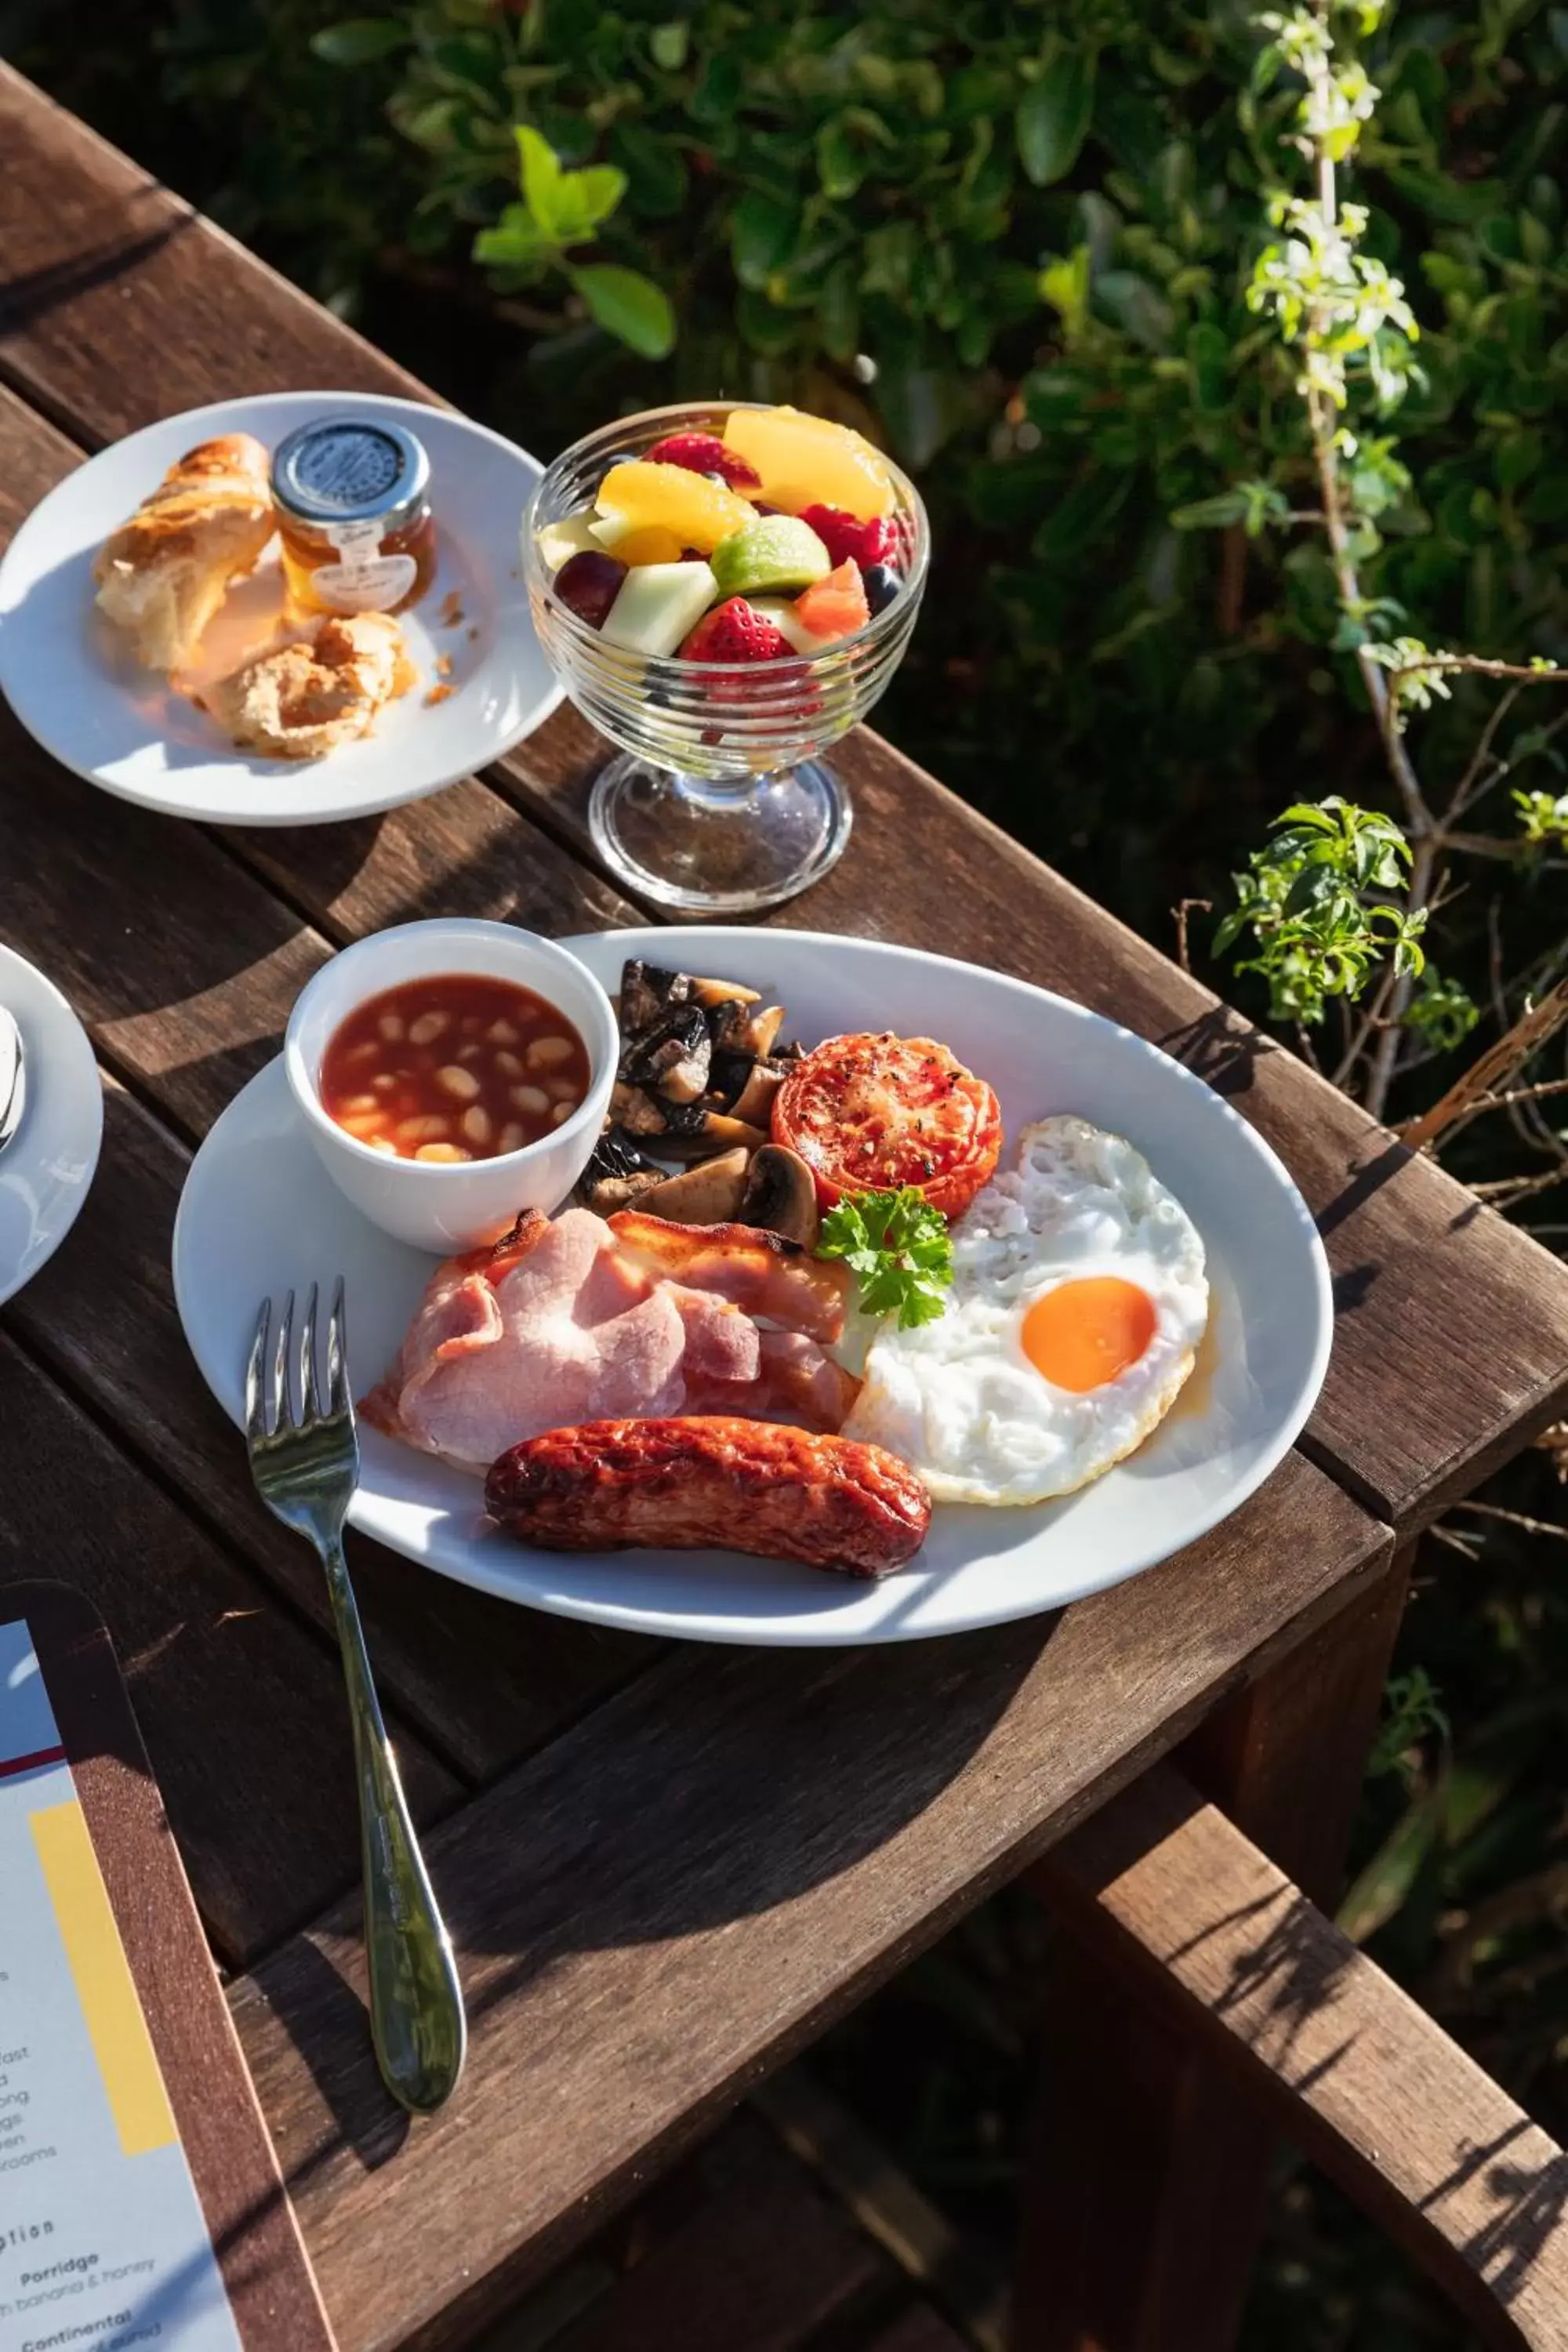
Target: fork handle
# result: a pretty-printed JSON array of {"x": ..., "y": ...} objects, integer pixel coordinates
[{"x": 415, "y": 2002}]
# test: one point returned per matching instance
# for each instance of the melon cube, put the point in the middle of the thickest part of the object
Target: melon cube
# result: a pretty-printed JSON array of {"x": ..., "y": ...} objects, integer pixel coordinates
[{"x": 657, "y": 605}]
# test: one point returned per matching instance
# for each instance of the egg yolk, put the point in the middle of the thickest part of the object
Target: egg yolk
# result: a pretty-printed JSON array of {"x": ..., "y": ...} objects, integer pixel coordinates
[{"x": 1082, "y": 1334}]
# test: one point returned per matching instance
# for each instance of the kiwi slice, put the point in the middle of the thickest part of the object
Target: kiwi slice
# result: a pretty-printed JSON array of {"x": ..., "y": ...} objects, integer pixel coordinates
[{"x": 775, "y": 554}]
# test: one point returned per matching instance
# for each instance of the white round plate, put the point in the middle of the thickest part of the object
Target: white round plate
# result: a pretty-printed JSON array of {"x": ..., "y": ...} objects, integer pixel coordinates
[
  {"x": 47, "y": 1167},
  {"x": 74, "y": 684},
  {"x": 259, "y": 1216}
]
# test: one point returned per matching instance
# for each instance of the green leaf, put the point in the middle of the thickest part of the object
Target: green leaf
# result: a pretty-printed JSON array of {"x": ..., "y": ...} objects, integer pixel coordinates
[
  {"x": 541, "y": 174},
  {"x": 358, "y": 40},
  {"x": 515, "y": 241},
  {"x": 655, "y": 173},
  {"x": 1212, "y": 514},
  {"x": 1138, "y": 307},
  {"x": 1380, "y": 1890},
  {"x": 668, "y": 45},
  {"x": 901, "y": 1248},
  {"x": 628, "y": 305},
  {"x": 840, "y": 160},
  {"x": 582, "y": 199},
  {"x": 761, "y": 233},
  {"x": 1052, "y": 118}
]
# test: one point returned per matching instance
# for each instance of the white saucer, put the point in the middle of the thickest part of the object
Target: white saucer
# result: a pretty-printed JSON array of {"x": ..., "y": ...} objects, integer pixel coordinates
[
  {"x": 47, "y": 1166},
  {"x": 74, "y": 685},
  {"x": 260, "y": 1214}
]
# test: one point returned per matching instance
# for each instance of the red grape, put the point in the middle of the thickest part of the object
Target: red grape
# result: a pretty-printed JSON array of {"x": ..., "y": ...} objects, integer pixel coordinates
[{"x": 588, "y": 584}]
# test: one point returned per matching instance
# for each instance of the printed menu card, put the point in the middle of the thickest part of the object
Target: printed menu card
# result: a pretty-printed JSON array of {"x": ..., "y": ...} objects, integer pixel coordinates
[{"x": 104, "y": 2242}]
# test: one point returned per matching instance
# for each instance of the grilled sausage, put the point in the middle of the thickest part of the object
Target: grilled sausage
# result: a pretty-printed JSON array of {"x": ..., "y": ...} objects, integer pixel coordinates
[{"x": 682, "y": 1485}]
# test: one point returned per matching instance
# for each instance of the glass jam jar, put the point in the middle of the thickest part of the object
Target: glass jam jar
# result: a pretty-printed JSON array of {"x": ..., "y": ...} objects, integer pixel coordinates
[{"x": 352, "y": 501}]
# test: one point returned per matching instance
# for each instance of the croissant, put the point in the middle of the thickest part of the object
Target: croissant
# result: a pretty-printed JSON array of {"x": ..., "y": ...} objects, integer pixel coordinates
[
  {"x": 303, "y": 699},
  {"x": 164, "y": 572}
]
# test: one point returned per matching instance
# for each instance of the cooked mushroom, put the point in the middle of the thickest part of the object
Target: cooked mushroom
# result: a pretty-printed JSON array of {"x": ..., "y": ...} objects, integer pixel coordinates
[
  {"x": 781, "y": 1196},
  {"x": 755, "y": 1103},
  {"x": 647, "y": 991},
  {"x": 685, "y": 1131},
  {"x": 759, "y": 1034},
  {"x": 618, "y": 1174},
  {"x": 672, "y": 1056},
  {"x": 708, "y": 1193},
  {"x": 613, "y": 1192}
]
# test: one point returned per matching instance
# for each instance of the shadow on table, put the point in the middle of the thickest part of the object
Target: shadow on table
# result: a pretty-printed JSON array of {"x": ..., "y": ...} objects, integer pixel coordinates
[
  {"x": 725, "y": 1784},
  {"x": 30, "y": 295}
]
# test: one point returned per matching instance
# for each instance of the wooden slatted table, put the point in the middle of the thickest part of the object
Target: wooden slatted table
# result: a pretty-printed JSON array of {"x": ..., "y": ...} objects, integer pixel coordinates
[{"x": 665, "y": 1867}]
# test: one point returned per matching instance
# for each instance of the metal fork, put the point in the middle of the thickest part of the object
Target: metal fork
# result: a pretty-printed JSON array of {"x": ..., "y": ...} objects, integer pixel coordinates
[{"x": 306, "y": 1470}]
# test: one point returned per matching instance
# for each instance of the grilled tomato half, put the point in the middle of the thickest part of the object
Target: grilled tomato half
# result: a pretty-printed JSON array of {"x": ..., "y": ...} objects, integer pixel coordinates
[{"x": 871, "y": 1113}]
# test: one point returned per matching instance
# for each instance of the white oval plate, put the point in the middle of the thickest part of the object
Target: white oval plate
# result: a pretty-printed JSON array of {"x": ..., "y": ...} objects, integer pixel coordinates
[
  {"x": 259, "y": 1216},
  {"x": 73, "y": 683},
  {"x": 48, "y": 1164}
]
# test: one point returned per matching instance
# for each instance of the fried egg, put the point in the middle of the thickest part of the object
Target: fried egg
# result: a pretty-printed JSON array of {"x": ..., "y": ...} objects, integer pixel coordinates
[{"x": 1077, "y": 1302}]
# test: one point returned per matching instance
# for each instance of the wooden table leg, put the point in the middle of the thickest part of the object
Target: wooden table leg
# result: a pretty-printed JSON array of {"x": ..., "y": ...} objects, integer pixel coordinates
[{"x": 1147, "y": 2190}]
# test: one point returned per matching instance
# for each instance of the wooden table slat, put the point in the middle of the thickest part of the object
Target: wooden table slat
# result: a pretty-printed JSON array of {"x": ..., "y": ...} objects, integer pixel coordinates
[
  {"x": 241, "y": 1705},
  {"x": 676, "y": 1894},
  {"x": 86, "y": 230}
]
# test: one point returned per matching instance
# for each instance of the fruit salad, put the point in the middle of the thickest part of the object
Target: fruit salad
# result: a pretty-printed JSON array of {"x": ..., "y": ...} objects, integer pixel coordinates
[{"x": 774, "y": 539}]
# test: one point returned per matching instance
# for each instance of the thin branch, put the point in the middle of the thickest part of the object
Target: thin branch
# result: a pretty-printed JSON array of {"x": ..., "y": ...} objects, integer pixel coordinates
[
  {"x": 1487, "y": 844},
  {"x": 1371, "y": 1019},
  {"x": 1499, "y": 1061},
  {"x": 1524, "y": 1094},
  {"x": 1513, "y": 1519},
  {"x": 1182, "y": 910},
  {"x": 1503, "y": 1191},
  {"x": 1528, "y": 674},
  {"x": 1468, "y": 787},
  {"x": 1385, "y": 1054}
]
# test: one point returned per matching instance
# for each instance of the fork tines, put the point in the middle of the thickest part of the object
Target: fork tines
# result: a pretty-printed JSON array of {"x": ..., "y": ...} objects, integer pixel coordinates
[{"x": 266, "y": 1414}]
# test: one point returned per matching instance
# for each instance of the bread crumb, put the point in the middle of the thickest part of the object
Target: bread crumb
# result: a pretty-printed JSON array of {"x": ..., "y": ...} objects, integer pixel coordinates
[
  {"x": 473, "y": 633},
  {"x": 439, "y": 694},
  {"x": 451, "y": 613},
  {"x": 443, "y": 665}
]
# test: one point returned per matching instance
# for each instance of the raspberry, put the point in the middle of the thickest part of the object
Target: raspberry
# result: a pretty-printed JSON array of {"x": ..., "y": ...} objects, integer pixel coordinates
[
  {"x": 704, "y": 453},
  {"x": 735, "y": 632},
  {"x": 849, "y": 541}
]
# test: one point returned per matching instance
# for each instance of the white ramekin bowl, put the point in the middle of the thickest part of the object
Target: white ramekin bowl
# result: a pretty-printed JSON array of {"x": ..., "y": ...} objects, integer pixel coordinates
[{"x": 435, "y": 1205}]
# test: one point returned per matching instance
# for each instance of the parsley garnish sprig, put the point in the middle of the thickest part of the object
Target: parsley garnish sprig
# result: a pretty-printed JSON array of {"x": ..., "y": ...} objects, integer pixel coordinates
[{"x": 901, "y": 1248}]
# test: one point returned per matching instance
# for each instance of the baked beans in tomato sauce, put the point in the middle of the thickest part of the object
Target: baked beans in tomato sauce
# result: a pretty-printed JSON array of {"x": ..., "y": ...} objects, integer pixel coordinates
[{"x": 457, "y": 1067}]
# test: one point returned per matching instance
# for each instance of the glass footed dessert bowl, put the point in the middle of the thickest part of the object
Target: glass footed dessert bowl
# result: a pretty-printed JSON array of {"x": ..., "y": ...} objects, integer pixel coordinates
[{"x": 724, "y": 589}]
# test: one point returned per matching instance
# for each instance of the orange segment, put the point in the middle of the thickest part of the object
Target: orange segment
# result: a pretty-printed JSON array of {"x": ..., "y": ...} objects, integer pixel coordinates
[
  {"x": 1084, "y": 1333},
  {"x": 699, "y": 512},
  {"x": 808, "y": 461},
  {"x": 835, "y": 607},
  {"x": 640, "y": 543}
]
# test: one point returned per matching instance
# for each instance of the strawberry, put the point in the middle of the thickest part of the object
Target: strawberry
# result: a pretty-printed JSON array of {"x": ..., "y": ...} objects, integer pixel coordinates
[
  {"x": 704, "y": 453},
  {"x": 848, "y": 540},
  {"x": 735, "y": 632}
]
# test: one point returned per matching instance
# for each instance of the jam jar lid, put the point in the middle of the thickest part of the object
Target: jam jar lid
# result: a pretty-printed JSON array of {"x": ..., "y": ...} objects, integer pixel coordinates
[{"x": 349, "y": 469}]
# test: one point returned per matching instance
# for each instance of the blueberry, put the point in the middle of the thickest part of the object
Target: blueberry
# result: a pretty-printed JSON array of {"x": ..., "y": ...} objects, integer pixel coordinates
[{"x": 882, "y": 585}]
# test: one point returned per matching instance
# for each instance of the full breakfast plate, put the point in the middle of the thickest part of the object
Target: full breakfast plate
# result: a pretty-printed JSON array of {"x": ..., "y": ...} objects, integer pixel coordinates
[
  {"x": 472, "y": 679},
  {"x": 260, "y": 1214}
]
